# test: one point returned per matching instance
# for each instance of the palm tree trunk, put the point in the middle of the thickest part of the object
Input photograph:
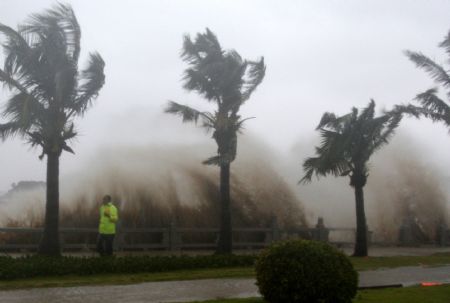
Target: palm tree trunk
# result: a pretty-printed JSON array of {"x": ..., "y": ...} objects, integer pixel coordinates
[
  {"x": 225, "y": 235},
  {"x": 361, "y": 226},
  {"x": 50, "y": 241}
]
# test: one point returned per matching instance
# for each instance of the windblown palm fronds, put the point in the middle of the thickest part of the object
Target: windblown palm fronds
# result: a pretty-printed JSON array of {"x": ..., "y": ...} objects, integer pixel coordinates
[
  {"x": 347, "y": 144},
  {"x": 225, "y": 79},
  {"x": 431, "y": 105},
  {"x": 47, "y": 93}
]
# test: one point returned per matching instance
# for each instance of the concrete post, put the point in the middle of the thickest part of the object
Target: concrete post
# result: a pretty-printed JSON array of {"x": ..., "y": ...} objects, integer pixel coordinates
[
  {"x": 320, "y": 232},
  {"x": 174, "y": 237},
  {"x": 275, "y": 230}
]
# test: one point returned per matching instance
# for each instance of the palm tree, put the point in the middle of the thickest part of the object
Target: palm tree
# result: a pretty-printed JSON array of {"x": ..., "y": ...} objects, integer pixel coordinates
[
  {"x": 47, "y": 93},
  {"x": 228, "y": 81},
  {"x": 347, "y": 144},
  {"x": 431, "y": 105}
]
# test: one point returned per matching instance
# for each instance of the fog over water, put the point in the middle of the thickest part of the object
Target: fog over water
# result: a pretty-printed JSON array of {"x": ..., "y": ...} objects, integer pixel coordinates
[{"x": 320, "y": 55}]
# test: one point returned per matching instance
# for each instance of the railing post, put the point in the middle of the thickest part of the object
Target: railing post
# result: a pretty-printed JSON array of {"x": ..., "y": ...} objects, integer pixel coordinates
[
  {"x": 166, "y": 238},
  {"x": 442, "y": 234},
  {"x": 120, "y": 242},
  {"x": 85, "y": 247},
  {"x": 405, "y": 236},
  {"x": 369, "y": 236},
  {"x": 320, "y": 232},
  {"x": 119, "y": 238},
  {"x": 174, "y": 237},
  {"x": 273, "y": 234},
  {"x": 275, "y": 230},
  {"x": 61, "y": 241},
  {"x": 446, "y": 236}
]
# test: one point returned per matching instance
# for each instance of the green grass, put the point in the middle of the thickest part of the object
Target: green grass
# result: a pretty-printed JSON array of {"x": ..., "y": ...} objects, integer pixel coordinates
[
  {"x": 435, "y": 294},
  {"x": 115, "y": 279},
  {"x": 398, "y": 261},
  {"x": 235, "y": 272}
]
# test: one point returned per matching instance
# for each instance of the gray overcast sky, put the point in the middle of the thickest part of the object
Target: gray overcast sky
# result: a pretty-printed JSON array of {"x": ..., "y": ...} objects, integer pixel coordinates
[{"x": 320, "y": 55}]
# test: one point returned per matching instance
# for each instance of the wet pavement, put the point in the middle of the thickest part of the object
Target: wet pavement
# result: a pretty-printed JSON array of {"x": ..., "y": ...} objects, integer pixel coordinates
[{"x": 185, "y": 291}]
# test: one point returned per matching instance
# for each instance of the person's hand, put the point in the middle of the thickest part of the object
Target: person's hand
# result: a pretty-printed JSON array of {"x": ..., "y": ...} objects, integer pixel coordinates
[{"x": 107, "y": 212}]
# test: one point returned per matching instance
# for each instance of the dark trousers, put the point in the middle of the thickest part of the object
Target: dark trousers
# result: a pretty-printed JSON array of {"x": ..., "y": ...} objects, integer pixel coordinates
[{"x": 105, "y": 244}]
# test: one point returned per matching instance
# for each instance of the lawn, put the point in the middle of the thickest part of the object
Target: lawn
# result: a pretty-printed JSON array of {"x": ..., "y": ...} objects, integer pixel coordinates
[
  {"x": 233, "y": 272},
  {"x": 120, "y": 279},
  {"x": 435, "y": 294},
  {"x": 369, "y": 263}
]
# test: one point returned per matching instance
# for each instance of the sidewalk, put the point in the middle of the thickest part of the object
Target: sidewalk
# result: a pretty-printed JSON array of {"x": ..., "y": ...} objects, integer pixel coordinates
[{"x": 185, "y": 291}]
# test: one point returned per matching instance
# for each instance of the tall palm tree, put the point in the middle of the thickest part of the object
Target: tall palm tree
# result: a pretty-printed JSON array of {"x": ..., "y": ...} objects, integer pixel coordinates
[
  {"x": 225, "y": 79},
  {"x": 431, "y": 104},
  {"x": 347, "y": 144},
  {"x": 47, "y": 93}
]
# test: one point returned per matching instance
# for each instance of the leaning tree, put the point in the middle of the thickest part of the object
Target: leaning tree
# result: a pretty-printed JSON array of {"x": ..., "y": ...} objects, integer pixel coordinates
[
  {"x": 347, "y": 144},
  {"x": 48, "y": 92},
  {"x": 431, "y": 105},
  {"x": 223, "y": 78}
]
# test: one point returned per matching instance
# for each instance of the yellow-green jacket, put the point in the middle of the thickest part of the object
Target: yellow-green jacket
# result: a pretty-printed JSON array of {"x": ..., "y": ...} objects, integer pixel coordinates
[{"x": 108, "y": 223}]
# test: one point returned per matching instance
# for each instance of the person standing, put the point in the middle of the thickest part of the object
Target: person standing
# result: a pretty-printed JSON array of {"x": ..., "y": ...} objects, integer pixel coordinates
[{"x": 107, "y": 227}]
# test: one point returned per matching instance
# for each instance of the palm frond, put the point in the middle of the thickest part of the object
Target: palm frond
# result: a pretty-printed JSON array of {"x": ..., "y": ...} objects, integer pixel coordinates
[
  {"x": 219, "y": 160},
  {"x": 197, "y": 80},
  {"x": 410, "y": 110},
  {"x": 59, "y": 20},
  {"x": 23, "y": 110},
  {"x": 36, "y": 138},
  {"x": 16, "y": 49},
  {"x": 205, "y": 45},
  {"x": 328, "y": 119},
  {"x": 432, "y": 102},
  {"x": 67, "y": 148},
  {"x": 386, "y": 127},
  {"x": 216, "y": 160},
  {"x": 348, "y": 142},
  {"x": 11, "y": 82},
  {"x": 224, "y": 78},
  {"x": 189, "y": 114},
  {"x": 239, "y": 125},
  {"x": 69, "y": 132},
  {"x": 256, "y": 73},
  {"x": 436, "y": 71},
  {"x": 10, "y": 129},
  {"x": 41, "y": 70},
  {"x": 368, "y": 112},
  {"x": 92, "y": 80},
  {"x": 446, "y": 44},
  {"x": 321, "y": 166}
]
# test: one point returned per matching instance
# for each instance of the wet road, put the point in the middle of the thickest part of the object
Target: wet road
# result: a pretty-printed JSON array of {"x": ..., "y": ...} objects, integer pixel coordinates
[{"x": 184, "y": 291}]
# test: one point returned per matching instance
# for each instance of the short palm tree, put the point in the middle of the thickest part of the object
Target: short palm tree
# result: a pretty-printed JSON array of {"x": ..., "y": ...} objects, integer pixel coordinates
[
  {"x": 228, "y": 81},
  {"x": 47, "y": 93},
  {"x": 347, "y": 144},
  {"x": 431, "y": 105}
]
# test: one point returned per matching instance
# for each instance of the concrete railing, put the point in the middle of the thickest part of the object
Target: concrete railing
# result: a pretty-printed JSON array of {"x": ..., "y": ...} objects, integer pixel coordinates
[{"x": 168, "y": 238}]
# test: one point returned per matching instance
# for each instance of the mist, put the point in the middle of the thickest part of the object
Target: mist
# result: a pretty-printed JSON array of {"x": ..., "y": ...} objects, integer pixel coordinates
[
  {"x": 156, "y": 184},
  {"x": 403, "y": 182},
  {"x": 321, "y": 56}
]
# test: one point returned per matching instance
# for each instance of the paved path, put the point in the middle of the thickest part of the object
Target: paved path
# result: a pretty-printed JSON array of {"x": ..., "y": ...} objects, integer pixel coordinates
[{"x": 185, "y": 291}]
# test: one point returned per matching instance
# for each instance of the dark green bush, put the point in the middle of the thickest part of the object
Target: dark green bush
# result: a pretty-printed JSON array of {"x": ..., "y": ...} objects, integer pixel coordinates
[
  {"x": 38, "y": 266},
  {"x": 305, "y": 272}
]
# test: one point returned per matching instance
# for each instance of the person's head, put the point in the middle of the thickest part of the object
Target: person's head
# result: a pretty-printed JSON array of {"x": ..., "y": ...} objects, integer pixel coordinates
[{"x": 106, "y": 199}]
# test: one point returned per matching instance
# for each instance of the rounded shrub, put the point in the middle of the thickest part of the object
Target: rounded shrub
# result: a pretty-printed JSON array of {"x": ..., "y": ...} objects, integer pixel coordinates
[{"x": 305, "y": 271}]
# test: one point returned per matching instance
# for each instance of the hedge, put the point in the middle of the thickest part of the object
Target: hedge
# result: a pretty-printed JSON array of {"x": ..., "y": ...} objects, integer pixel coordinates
[
  {"x": 303, "y": 271},
  {"x": 39, "y": 266}
]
